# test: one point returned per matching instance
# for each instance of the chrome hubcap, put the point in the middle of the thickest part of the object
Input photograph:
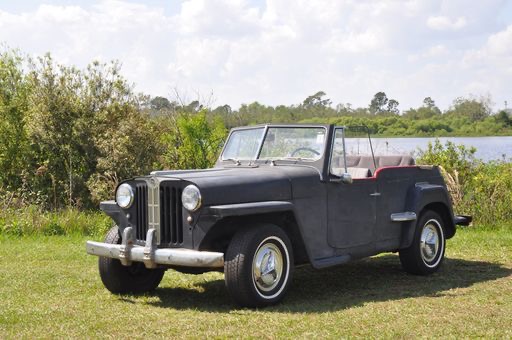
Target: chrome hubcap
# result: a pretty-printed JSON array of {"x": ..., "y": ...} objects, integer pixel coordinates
[
  {"x": 267, "y": 267},
  {"x": 430, "y": 242}
]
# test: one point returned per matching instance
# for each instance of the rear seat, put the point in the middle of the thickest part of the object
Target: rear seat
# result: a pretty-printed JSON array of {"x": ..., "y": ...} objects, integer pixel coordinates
[
  {"x": 363, "y": 166},
  {"x": 381, "y": 161}
]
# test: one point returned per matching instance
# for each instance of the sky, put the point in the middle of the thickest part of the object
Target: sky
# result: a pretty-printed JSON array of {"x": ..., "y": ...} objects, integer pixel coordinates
[{"x": 280, "y": 51}]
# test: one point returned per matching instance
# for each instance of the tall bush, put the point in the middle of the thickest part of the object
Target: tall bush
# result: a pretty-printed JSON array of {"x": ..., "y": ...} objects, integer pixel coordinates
[
  {"x": 192, "y": 141},
  {"x": 14, "y": 142},
  {"x": 483, "y": 190}
]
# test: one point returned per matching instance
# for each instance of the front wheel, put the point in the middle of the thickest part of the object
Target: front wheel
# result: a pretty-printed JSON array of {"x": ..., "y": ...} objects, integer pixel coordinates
[
  {"x": 259, "y": 265},
  {"x": 426, "y": 253},
  {"x": 121, "y": 279}
]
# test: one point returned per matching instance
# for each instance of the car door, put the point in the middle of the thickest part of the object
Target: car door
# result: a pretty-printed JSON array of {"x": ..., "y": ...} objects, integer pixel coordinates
[{"x": 351, "y": 207}]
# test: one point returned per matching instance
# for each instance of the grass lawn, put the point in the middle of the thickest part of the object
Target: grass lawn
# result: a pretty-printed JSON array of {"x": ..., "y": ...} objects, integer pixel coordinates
[{"x": 50, "y": 288}]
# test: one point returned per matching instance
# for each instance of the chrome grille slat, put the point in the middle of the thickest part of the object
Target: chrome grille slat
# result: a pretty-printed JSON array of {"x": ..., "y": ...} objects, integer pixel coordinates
[
  {"x": 141, "y": 210},
  {"x": 179, "y": 216},
  {"x": 171, "y": 214},
  {"x": 165, "y": 215},
  {"x": 154, "y": 207}
]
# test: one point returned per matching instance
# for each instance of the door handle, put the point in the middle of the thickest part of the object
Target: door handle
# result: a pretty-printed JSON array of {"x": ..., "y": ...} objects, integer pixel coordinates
[{"x": 375, "y": 194}]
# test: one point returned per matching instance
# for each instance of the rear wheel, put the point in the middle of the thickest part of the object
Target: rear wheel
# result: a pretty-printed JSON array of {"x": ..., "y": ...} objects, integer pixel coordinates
[
  {"x": 426, "y": 253},
  {"x": 259, "y": 265},
  {"x": 121, "y": 279}
]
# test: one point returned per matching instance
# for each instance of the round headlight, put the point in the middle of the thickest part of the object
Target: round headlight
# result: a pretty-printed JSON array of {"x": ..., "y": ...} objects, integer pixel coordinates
[
  {"x": 191, "y": 198},
  {"x": 124, "y": 196}
]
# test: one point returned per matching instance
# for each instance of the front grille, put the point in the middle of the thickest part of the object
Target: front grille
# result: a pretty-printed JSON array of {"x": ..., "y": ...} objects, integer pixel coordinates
[
  {"x": 171, "y": 215},
  {"x": 141, "y": 206},
  {"x": 159, "y": 206}
]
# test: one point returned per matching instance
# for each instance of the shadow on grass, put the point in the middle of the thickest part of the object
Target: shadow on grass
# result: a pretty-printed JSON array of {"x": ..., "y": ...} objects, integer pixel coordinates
[{"x": 350, "y": 285}]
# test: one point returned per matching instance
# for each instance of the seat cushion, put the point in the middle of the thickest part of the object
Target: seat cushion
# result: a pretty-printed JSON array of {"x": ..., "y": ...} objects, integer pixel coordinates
[
  {"x": 354, "y": 172},
  {"x": 359, "y": 172}
]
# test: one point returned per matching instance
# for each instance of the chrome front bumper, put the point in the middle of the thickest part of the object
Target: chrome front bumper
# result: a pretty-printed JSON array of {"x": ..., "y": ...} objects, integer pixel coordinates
[{"x": 151, "y": 256}]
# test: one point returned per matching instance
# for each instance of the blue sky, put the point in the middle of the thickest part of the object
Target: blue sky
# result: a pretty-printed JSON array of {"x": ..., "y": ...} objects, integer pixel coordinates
[{"x": 280, "y": 51}]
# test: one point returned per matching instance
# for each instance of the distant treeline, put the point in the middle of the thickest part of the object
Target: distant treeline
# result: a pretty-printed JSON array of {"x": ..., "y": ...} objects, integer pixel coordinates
[
  {"x": 466, "y": 117},
  {"x": 69, "y": 135}
]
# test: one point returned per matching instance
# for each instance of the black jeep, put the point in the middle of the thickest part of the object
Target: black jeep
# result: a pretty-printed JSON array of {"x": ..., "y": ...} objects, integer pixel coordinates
[{"x": 279, "y": 196}]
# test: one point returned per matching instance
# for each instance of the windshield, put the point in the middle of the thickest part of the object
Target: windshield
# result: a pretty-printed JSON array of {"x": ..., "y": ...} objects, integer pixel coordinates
[
  {"x": 299, "y": 143},
  {"x": 243, "y": 144}
]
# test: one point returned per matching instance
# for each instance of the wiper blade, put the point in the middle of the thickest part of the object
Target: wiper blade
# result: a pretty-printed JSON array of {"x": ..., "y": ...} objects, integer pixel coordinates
[
  {"x": 234, "y": 160},
  {"x": 293, "y": 158},
  {"x": 276, "y": 159}
]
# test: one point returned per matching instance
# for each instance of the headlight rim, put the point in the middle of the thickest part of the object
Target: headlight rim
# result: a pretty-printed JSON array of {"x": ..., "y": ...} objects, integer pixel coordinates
[
  {"x": 199, "y": 199},
  {"x": 132, "y": 195}
]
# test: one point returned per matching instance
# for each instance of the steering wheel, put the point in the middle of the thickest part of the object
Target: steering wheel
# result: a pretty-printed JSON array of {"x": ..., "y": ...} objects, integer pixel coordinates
[{"x": 304, "y": 149}]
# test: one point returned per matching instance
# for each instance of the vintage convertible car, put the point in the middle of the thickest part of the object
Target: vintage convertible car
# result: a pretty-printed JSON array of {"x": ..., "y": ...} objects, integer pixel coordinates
[{"x": 278, "y": 196}]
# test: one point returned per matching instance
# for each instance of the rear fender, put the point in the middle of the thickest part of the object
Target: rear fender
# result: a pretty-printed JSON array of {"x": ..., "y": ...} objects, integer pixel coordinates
[{"x": 426, "y": 196}]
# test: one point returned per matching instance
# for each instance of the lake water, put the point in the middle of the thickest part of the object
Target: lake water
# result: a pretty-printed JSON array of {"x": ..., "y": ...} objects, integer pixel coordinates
[{"x": 487, "y": 148}]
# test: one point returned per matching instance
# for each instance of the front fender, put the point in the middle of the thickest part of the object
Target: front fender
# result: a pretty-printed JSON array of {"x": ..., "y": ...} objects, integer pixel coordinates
[
  {"x": 116, "y": 213},
  {"x": 218, "y": 223}
]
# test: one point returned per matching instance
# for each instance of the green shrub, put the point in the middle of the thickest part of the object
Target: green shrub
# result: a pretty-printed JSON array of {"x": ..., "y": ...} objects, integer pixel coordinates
[
  {"x": 483, "y": 190},
  {"x": 53, "y": 228},
  {"x": 33, "y": 220},
  {"x": 489, "y": 193},
  {"x": 15, "y": 228}
]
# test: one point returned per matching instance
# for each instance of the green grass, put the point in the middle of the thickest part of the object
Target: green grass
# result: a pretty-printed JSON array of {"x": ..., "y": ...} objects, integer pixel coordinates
[
  {"x": 32, "y": 220},
  {"x": 49, "y": 288}
]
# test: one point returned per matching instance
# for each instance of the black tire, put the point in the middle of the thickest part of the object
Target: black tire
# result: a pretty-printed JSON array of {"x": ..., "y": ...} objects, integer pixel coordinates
[
  {"x": 426, "y": 253},
  {"x": 120, "y": 279},
  {"x": 267, "y": 245}
]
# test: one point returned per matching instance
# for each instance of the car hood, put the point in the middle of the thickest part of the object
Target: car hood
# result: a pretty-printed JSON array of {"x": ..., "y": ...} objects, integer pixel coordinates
[{"x": 231, "y": 185}]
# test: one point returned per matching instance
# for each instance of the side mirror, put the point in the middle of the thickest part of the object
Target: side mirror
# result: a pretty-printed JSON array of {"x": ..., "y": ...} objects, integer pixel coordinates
[{"x": 346, "y": 178}]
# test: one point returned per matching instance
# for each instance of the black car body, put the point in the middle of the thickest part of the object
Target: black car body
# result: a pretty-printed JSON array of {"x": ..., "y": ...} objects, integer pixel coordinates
[{"x": 279, "y": 196}]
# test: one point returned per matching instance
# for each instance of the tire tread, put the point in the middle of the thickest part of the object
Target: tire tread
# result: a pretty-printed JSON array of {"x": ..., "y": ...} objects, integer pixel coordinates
[
  {"x": 410, "y": 257},
  {"x": 238, "y": 264}
]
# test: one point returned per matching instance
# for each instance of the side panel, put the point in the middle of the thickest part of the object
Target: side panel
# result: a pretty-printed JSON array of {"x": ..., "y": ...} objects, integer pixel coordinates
[
  {"x": 309, "y": 199},
  {"x": 394, "y": 194},
  {"x": 351, "y": 211}
]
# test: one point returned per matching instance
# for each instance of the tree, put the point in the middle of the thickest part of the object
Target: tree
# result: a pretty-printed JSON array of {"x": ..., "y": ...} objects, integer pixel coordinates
[
  {"x": 14, "y": 143},
  {"x": 381, "y": 105},
  {"x": 503, "y": 118},
  {"x": 428, "y": 110},
  {"x": 85, "y": 126},
  {"x": 192, "y": 141},
  {"x": 378, "y": 103},
  {"x": 158, "y": 104},
  {"x": 476, "y": 109},
  {"x": 316, "y": 100},
  {"x": 393, "y": 106},
  {"x": 344, "y": 109},
  {"x": 131, "y": 148},
  {"x": 429, "y": 102}
]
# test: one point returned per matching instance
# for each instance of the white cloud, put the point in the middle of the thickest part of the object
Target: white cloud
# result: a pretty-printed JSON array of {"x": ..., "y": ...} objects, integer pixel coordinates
[
  {"x": 500, "y": 44},
  {"x": 443, "y": 23},
  {"x": 280, "y": 51}
]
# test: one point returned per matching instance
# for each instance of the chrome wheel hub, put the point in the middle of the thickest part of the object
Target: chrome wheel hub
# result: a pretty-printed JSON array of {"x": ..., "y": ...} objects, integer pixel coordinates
[
  {"x": 267, "y": 267},
  {"x": 429, "y": 242}
]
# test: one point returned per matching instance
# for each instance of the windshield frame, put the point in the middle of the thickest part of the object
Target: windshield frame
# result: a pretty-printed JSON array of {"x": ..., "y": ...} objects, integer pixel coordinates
[{"x": 264, "y": 136}]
